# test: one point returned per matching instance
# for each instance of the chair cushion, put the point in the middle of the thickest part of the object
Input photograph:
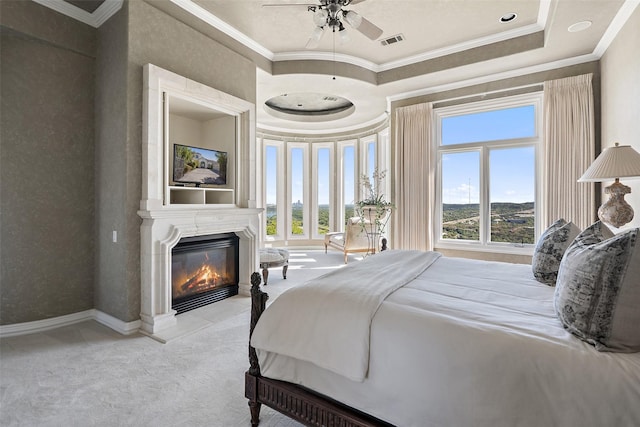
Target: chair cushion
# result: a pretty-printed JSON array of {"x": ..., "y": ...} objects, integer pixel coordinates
[
  {"x": 336, "y": 238},
  {"x": 550, "y": 248},
  {"x": 597, "y": 296},
  {"x": 273, "y": 255}
]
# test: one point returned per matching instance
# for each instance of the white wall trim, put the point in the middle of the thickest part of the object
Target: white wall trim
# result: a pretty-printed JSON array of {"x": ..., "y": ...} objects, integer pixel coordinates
[
  {"x": 125, "y": 328},
  {"x": 493, "y": 77},
  {"x": 16, "y": 329},
  {"x": 616, "y": 25},
  {"x": 95, "y": 19},
  {"x": 219, "y": 24}
]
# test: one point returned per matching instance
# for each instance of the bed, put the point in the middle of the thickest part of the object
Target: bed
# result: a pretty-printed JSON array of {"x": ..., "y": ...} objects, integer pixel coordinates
[{"x": 412, "y": 338}]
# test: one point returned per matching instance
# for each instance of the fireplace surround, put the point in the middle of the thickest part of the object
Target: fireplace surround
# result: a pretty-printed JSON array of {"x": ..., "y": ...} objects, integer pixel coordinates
[{"x": 166, "y": 218}]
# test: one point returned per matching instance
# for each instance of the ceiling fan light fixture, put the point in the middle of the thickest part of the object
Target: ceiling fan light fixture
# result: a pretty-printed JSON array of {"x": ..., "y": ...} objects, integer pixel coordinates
[
  {"x": 320, "y": 17},
  {"x": 353, "y": 19},
  {"x": 344, "y": 35},
  {"x": 314, "y": 39}
]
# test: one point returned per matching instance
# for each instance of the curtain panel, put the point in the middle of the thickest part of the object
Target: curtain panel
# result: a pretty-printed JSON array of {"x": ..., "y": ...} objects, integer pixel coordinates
[
  {"x": 569, "y": 149},
  {"x": 414, "y": 178}
]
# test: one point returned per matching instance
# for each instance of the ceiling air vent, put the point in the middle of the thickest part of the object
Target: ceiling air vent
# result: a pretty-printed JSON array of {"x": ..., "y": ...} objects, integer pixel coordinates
[{"x": 391, "y": 40}]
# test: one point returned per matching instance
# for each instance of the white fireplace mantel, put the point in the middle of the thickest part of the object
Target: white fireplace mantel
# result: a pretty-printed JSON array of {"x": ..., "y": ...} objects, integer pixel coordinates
[{"x": 162, "y": 230}]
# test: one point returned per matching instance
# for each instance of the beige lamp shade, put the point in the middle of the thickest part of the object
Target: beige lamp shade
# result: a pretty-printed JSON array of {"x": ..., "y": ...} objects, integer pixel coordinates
[{"x": 614, "y": 162}]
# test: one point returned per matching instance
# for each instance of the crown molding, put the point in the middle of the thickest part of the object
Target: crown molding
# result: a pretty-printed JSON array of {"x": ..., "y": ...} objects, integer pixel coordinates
[
  {"x": 325, "y": 56},
  {"x": 356, "y": 129},
  {"x": 494, "y": 77},
  {"x": 461, "y": 47},
  {"x": 219, "y": 24},
  {"x": 616, "y": 25},
  {"x": 95, "y": 19}
]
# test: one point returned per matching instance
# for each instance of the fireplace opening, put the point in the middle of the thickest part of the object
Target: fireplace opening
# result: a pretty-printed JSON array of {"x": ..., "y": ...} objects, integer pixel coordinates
[{"x": 204, "y": 269}]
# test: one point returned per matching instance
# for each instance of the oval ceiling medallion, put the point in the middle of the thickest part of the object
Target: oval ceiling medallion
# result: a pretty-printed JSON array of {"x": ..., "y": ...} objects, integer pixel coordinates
[{"x": 309, "y": 107}]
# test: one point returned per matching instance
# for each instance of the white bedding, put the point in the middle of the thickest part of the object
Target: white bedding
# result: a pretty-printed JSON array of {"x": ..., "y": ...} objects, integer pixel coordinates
[
  {"x": 337, "y": 306},
  {"x": 474, "y": 343}
]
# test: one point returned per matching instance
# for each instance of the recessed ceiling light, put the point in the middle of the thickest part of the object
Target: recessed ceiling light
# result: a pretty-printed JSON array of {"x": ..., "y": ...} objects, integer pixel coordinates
[
  {"x": 579, "y": 26},
  {"x": 508, "y": 17}
]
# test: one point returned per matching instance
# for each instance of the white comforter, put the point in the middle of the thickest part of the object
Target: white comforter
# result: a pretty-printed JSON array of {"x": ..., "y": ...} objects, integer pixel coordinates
[
  {"x": 472, "y": 343},
  {"x": 338, "y": 307}
]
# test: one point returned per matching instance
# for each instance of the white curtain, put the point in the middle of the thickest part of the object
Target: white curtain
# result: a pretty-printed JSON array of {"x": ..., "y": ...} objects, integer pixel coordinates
[
  {"x": 569, "y": 149},
  {"x": 414, "y": 178}
]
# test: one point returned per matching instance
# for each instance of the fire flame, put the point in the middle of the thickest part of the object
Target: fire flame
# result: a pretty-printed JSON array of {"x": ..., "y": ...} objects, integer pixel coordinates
[{"x": 204, "y": 278}]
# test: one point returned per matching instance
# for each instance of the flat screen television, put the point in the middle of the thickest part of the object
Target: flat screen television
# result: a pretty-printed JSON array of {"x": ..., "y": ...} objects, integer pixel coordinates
[{"x": 192, "y": 165}]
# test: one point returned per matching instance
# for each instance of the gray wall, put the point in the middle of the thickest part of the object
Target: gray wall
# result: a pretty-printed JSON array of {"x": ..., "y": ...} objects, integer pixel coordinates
[
  {"x": 620, "y": 67},
  {"x": 154, "y": 37},
  {"x": 46, "y": 164},
  {"x": 114, "y": 295},
  {"x": 70, "y": 160}
]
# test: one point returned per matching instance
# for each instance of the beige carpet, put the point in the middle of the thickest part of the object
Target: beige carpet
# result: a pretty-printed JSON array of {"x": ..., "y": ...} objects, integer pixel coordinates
[{"x": 88, "y": 375}]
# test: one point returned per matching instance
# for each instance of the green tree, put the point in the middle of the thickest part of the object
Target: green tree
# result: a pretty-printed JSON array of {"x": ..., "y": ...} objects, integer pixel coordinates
[
  {"x": 272, "y": 226},
  {"x": 222, "y": 163}
]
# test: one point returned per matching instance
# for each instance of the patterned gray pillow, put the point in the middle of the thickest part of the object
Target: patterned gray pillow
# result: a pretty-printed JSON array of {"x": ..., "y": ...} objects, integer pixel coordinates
[
  {"x": 597, "y": 296},
  {"x": 550, "y": 248}
]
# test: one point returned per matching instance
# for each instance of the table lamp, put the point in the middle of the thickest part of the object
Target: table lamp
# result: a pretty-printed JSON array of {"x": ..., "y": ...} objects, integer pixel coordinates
[{"x": 614, "y": 163}]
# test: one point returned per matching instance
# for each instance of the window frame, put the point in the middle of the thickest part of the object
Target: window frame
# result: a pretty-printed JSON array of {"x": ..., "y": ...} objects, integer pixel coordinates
[
  {"x": 484, "y": 244},
  {"x": 316, "y": 147},
  {"x": 280, "y": 188},
  {"x": 339, "y": 225},
  {"x": 305, "y": 188}
]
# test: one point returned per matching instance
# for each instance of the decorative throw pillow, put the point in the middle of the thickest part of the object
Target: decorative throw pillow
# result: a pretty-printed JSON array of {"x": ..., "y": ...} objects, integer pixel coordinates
[
  {"x": 550, "y": 249},
  {"x": 597, "y": 296}
]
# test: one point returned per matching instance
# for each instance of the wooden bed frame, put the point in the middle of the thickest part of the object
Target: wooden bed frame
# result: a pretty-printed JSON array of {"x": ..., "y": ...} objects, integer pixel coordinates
[{"x": 294, "y": 401}]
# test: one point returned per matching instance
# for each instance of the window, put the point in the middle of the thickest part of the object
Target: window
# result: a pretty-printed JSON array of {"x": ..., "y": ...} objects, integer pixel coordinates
[
  {"x": 322, "y": 188},
  {"x": 271, "y": 187},
  {"x": 348, "y": 175},
  {"x": 298, "y": 196},
  {"x": 274, "y": 194},
  {"x": 487, "y": 157},
  {"x": 309, "y": 187}
]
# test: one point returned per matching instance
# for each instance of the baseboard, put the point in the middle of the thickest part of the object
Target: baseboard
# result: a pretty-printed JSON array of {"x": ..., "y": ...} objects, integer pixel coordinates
[{"x": 125, "y": 328}]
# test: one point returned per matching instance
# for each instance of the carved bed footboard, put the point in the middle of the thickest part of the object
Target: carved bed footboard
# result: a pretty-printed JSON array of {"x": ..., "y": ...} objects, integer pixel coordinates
[{"x": 296, "y": 402}]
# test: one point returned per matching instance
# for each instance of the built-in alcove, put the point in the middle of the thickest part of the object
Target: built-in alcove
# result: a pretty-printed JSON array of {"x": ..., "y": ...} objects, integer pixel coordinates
[
  {"x": 201, "y": 151},
  {"x": 178, "y": 110}
]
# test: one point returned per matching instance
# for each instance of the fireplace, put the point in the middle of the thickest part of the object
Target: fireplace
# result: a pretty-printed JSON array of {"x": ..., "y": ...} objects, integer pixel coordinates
[{"x": 204, "y": 269}]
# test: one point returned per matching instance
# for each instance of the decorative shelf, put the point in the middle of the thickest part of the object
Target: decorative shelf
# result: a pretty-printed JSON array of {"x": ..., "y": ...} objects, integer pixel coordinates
[{"x": 200, "y": 196}]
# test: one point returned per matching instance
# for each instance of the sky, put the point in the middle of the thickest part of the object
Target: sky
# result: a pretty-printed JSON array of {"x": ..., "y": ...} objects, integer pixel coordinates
[{"x": 512, "y": 170}]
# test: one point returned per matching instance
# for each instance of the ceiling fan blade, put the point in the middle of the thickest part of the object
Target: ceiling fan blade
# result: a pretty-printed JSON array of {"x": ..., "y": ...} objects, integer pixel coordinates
[
  {"x": 289, "y": 4},
  {"x": 355, "y": 1},
  {"x": 369, "y": 29}
]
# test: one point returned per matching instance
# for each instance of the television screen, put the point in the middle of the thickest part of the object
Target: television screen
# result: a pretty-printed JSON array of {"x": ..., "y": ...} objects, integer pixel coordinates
[{"x": 193, "y": 165}]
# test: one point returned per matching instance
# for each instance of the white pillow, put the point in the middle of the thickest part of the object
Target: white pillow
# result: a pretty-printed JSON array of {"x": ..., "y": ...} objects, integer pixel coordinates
[
  {"x": 597, "y": 295},
  {"x": 550, "y": 248}
]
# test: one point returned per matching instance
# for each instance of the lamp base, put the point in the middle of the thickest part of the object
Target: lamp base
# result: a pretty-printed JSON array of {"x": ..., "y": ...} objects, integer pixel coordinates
[{"x": 616, "y": 211}]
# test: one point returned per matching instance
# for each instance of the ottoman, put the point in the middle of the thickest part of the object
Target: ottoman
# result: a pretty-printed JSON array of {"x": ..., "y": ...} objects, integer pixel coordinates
[{"x": 273, "y": 257}]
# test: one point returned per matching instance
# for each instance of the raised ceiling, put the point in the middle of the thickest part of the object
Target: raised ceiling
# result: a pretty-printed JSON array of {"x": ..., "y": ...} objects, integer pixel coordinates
[{"x": 446, "y": 44}]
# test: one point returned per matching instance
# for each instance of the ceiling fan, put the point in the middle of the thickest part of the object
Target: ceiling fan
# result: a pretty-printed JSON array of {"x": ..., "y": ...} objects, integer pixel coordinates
[{"x": 329, "y": 14}]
